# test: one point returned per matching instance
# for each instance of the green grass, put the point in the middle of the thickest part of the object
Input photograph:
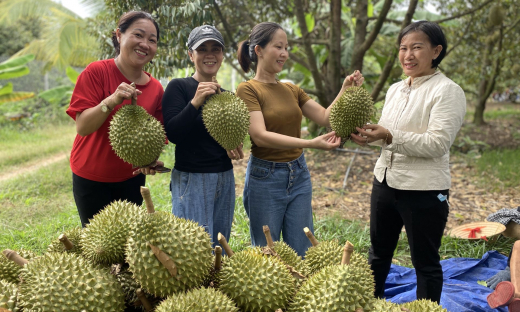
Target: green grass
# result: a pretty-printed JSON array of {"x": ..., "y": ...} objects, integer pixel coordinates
[
  {"x": 503, "y": 165},
  {"x": 19, "y": 147}
]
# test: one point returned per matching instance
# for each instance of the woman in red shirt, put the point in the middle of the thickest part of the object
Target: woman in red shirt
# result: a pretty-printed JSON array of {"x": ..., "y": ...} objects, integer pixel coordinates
[{"x": 99, "y": 176}]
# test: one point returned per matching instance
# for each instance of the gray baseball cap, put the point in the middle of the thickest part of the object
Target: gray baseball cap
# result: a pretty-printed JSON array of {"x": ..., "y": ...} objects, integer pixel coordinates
[{"x": 204, "y": 33}]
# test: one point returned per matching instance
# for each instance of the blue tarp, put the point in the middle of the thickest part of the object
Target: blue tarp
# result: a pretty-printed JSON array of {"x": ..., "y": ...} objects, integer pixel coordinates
[{"x": 460, "y": 292}]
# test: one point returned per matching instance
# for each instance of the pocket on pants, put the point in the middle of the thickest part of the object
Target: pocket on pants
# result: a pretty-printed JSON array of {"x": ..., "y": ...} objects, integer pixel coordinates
[
  {"x": 184, "y": 183},
  {"x": 259, "y": 173}
]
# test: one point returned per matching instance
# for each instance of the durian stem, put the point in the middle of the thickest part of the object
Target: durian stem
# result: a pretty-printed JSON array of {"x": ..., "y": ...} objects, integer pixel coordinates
[
  {"x": 347, "y": 253},
  {"x": 164, "y": 259},
  {"x": 222, "y": 241},
  {"x": 142, "y": 297},
  {"x": 66, "y": 242},
  {"x": 311, "y": 237},
  {"x": 15, "y": 257},
  {"x": 218, "y": 258},
  {"x": 268, "y": 237},
  {"x": 134, "y": 100},
  {"x": 214, "y": 79},
  {"x": 145, "y": 192}
]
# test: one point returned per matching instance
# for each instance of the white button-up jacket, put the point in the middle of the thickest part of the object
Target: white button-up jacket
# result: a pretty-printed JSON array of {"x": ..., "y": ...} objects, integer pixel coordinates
[{"x": 424, "y": 119}]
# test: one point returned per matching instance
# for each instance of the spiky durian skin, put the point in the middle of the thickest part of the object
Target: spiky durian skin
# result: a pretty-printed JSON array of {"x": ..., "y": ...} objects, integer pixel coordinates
[
  {"x": 324, "y": 254},
  {"x": 64, "y": 282},
  {"x": 257, "y": 283},
  {"x": 9, "y": 296},
  {"x": 184, "y": 241},
  {"x": 74, "y": 235},
  {"x": 136, "y": 136},
  {"x": 10, "y": 271},
  {"x": 353, "y": 109},
  {"x": 226, "y": 118},
  {"x": 103, "y": 240},
  {"x": 423, "y": 305},
  {"x": 198, "y": 300},
  {"x": 290, "y": 257},
  {"x": 381, "y": 305},
  {"x": 336, "y": 288}
]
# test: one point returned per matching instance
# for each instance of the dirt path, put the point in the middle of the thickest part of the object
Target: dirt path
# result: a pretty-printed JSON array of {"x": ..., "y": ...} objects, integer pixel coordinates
[{"x": 31, "y": 167}]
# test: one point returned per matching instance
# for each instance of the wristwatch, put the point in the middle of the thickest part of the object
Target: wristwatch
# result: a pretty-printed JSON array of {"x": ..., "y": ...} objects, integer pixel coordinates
[{"x": 105, "y": 108}]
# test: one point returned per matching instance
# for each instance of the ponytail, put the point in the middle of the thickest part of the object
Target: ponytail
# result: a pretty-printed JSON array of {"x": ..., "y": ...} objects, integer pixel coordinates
[
  {"x": 261, "y": 35},
  {"x": 244, "y": 59}
]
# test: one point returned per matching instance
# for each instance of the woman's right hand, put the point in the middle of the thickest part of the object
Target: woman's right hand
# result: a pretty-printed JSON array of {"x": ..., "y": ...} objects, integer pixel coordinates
[
  {"x": 204, "y": 90},
  {"x": 328, "y": 141},
  {"x": 123, "y": 92}
]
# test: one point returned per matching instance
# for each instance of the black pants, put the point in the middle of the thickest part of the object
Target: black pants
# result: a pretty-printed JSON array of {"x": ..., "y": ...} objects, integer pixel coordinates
[
  {"x": 92, "y": 196},
  {"x": 424, "y": 217}
]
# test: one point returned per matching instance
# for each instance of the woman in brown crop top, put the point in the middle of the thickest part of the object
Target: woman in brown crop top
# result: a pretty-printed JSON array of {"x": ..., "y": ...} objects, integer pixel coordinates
[{"x": 278, "y": 189}]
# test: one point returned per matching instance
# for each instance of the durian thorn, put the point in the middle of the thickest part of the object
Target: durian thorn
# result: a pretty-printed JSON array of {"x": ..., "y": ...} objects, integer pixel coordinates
[
  {"x": 134, "y": 100},
  {"x": 214, "y": 79},
  {"x": 145, "y": 192},
  {"x": 310, "y": 236},
  {"x": 268, "y": 237},
  {"x": 15, "y": 257},
  {"x": 347, "y": 253},
  {"x": 218, "y": 258},
  {"x": 165, "y": 260},
  {"x": 66, "y": 242},
  {"x": 142, "y": 297},
  {"x": 222, "y": 241}
]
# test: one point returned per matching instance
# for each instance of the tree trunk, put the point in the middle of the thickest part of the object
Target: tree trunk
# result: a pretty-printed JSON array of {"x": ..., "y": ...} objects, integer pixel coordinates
[
  {"x": 487, "y": 83},
  {"x": 391, "y": 59},
  {"x": 334, "y": 62},
  {"x": 360, "y": 35}
]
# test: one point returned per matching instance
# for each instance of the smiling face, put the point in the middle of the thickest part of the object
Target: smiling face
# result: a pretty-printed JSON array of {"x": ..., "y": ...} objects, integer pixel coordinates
[
  {"x": 207, "y": 58},
  {"x": 272, "y": 57},
  {"x": 138, "y": 43},
  {"x": 416, "y": 54}
]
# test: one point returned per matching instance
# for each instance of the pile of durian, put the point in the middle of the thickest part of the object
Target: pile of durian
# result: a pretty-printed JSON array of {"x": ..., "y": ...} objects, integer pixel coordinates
[{"x": 131, "y": 257}]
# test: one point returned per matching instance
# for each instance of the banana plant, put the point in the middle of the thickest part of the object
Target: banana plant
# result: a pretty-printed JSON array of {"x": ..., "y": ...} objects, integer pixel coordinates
[
  {"x": 60, "y": 93},
  {"x": 13, "y": 68}
]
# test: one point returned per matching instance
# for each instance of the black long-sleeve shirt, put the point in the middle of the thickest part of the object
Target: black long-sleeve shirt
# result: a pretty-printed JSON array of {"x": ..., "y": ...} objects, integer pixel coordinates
[{"x": 195, "y": 150}]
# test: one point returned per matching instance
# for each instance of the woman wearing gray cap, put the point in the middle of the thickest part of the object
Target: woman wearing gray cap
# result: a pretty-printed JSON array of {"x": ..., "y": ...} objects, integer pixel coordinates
[{"x": 202, "y": 182}]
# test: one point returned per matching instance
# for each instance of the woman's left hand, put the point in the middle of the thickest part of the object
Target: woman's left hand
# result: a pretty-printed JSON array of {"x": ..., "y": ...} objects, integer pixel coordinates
[
  {"x": 237, "y": 153},
  {"x": 355, "y": 79},
  {"x": 150, "y": 169},
  {"x": 364, "y": 137}
]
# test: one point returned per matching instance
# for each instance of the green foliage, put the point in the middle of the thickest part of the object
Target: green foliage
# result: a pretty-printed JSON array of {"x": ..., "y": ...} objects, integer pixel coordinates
[
  {"x": 503, "y": 164},
  {"x": 14, "y": 37},
  {"x": 13, "y": 68}
]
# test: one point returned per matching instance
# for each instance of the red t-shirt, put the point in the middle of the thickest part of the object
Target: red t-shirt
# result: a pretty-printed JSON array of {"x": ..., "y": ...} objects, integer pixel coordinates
[{"x": 92, "y": 156}]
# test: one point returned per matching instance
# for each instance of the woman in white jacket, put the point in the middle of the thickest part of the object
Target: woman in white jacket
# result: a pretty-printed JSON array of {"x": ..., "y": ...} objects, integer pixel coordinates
[{"x": 419, "y": 122}]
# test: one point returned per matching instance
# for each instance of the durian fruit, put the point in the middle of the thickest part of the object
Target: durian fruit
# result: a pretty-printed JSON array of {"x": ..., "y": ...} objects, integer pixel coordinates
[
  {"x": 61, "y": 244},
  {"x": 290, "y": 257},
  {"x": 353, "y": 109},
  {"x": 198, "y": 300},
  {"x": 213, "y": 278},
  {"x": 336, "y": 288},
  {"x": 103, "y": 240},
  {"x": 64, "y": 282},
  {"x": 9, "y": 296},
  {"x": 381, "y": 305},
  {"x": 136, "y": 136},
  {"x": 423, "y": 305},
  {"x": 323, "y": 254},
  {"x": 496, "y": 15},
  {"x": 10, "y": 271},
  {"x": 226, "y": 118},
  {"x": 256, "y": 282},
  {"x": 168, "y": 254},
  {"x": 127, "y": 282}
]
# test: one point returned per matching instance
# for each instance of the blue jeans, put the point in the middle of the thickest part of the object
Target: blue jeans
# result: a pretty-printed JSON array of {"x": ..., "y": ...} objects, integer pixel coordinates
[
  {"x": 279, "y": 194},
  {"x": 206, "y": 198}
]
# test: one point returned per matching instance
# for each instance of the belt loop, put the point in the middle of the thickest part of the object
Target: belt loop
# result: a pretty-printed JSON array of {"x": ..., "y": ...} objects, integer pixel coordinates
[{"x": 273, "y": 166}]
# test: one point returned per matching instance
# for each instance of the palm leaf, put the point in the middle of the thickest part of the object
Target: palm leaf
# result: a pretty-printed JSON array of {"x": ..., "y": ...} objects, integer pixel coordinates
[
  {"x": 15, "y": 96},
  {"x": 16, "y": 61}
]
